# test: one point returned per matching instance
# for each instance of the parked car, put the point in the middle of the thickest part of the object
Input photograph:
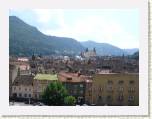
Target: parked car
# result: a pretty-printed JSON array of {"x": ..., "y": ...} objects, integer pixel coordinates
[
  {"x": 93, "y": 104},
  {"x": 84, "y": 105},
  {"x": 38, "y": 104}
]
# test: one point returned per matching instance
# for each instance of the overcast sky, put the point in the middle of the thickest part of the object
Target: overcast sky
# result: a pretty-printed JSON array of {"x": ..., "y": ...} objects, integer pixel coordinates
[{"x": 118, "y": 27}]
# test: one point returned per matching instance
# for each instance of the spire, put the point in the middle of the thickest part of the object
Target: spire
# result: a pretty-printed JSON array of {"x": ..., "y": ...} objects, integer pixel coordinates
[
  {"x": 123, "y": 56},
  {"x": 40, "y": 55},
  {"x": 87, "y": 50},
  {"x": 33, "y": 57},
  {"x": 94, "y": 50}
]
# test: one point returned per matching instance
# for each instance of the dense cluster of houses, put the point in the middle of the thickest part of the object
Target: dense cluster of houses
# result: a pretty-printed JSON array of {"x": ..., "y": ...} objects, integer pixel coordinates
[{"x": 92, "y": 81}]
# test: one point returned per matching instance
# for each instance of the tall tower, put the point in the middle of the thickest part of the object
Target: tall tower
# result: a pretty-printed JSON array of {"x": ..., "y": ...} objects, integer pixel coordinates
[
  {"x": 33, "y": 57},
  {"x": 87, "y": 50},
  {"x": 94, "y": 50}
]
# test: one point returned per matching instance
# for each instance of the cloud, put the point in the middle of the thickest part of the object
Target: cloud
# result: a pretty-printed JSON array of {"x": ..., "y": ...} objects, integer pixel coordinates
[
  {"x": 45, "y": 16},
  {"x": 90, "y": 27}
]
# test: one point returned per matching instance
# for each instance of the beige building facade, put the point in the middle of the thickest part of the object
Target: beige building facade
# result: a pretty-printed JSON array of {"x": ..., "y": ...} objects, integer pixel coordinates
[
  {"x": 114, "y": 90},
  {"x": 40, "y": 82}
]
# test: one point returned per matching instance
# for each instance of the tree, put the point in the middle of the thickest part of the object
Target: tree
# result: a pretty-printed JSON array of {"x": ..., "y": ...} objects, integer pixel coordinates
[
  {"x": 69, "y": 100},
  {"x": 54, "y": 94}
]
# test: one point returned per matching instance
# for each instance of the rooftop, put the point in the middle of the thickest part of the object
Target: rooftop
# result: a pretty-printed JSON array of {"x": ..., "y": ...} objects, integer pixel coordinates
[
  {"x": 23, "y": 80},
  {"x": 46, "y": 77},
  {"x": 73, "y": 77}
]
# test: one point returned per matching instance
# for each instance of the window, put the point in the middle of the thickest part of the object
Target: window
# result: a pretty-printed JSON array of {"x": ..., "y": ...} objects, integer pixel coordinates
[
  {"x": 71, "y": 91},
  {"x": 131, "y": 89},
  {"x": 19, "y": 88},
  {"x": 131, "y": 82},
  {"x": 25, "y": 95},
  {"x": 121, "y": 82},
  {"x": 81, "y": 91},
  {"x": 14, "y": 88},
  {"x": 100, "y": 89},
  {"x": 29, "y": 95},
  {"x": 75, "y": 86},
  {"x": 100, "y": 98},
  {"x": 20, "y": 95},
  {"x": 29, "y": 89},
  {"x": 110, "y": 82},
  {"x": 109, "y": 98},
  {"x": 120, "y": 97},
  {"x": 109, "y": 89},
  {"x": 90, "y": 89},
  {"x": 89, "y": 93},
  {"x": 131, "y": 98},
  {"x": 120, "y": 89},
  {"x": 74, "y": 92},
  {"x": 81, "y": 85},
  {"x": 25, "y": 89}
]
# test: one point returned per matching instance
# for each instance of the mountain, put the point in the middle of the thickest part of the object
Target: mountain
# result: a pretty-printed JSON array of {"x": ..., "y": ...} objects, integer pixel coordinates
[
  {"x": 131, "y": 51},
  {"x": 24, "y": 40},
  {"x": 103, "y": 48},
  {"x": 107, "y": 49},
  {"x": 135, "y": 55}
]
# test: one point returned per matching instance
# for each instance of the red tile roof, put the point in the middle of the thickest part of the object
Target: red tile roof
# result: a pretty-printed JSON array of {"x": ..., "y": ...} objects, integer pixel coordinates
[{"x": 73, "y": 77}]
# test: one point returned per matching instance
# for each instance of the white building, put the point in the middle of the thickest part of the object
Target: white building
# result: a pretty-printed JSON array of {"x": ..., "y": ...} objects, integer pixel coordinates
[
  {"x": 89, "y": 54},
  {"x": 22, "y": 87}
]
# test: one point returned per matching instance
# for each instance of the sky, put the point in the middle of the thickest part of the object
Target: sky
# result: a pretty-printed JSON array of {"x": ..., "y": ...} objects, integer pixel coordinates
[{"x": 119, "y": 27}]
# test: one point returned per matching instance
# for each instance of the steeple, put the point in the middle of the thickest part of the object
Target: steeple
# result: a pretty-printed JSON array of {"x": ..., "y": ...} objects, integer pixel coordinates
[
  {"x": 87, "y": 50},
  {"x": 123, "y": 56},
  {"x": 94, "y": 50},
  {"x": 33, "y": 57}
]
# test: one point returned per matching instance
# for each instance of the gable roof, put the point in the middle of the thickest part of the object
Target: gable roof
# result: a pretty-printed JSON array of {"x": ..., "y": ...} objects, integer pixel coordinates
[{"x": 23, "y": 80}]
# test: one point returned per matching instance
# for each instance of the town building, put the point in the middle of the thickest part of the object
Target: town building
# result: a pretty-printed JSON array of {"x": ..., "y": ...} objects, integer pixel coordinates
[
  {"x": 105, "y": 80},
  {"x": 115, "y": 89},
  {"x": 22, "y": 87},
  {"x": 23, "y": 59},
  {"x": 40, "y": 82},
  {"x": 76, "y": 84},
  {"x": 12, "y": 76},
  {"x": 89, "y": 54}
]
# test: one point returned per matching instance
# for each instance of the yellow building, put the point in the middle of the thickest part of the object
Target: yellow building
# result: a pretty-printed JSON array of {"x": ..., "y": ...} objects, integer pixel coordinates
[
  {"x": 40, "y": 82},
  {"x": 115, "y": 89}
]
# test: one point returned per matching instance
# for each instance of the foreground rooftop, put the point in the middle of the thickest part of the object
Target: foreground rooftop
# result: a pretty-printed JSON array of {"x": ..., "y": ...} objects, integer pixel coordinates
[{"x": 46, "y": 77}]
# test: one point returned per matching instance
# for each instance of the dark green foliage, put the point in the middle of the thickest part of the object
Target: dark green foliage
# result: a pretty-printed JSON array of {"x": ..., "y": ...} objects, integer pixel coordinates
[
  {"x": 135, "y": 55},
  {"x": 131, "y": 51},
  {"x": 54, "y": 94},
  {"x": 70, "y": 100},
  {"x": 24, "y": 40}
]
